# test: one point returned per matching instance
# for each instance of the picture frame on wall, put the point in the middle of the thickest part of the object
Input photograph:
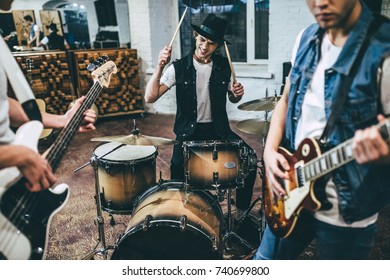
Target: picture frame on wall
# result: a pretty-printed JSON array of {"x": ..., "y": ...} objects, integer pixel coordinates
[
  {"x": 20, "y": 25},
  {"x": 48, "y": 17}
]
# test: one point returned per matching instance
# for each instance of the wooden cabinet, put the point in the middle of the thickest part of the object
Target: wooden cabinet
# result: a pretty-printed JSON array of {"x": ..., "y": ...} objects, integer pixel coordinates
[
  {"x": 50, "y": 78},
  {"x": 123, "y": 95},
  {"x": 59, "y": 77}
]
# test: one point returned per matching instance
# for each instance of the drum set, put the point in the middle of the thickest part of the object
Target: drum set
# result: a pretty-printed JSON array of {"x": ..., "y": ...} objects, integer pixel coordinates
[{"x": 173, "y": 219}]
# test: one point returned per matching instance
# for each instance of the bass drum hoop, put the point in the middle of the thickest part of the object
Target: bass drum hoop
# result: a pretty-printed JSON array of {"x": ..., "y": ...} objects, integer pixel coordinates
[{"x": 166, "y": 224}]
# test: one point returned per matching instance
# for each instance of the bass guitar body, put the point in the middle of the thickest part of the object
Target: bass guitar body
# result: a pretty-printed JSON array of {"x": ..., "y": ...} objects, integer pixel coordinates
[{"x": 25, "y": 215}]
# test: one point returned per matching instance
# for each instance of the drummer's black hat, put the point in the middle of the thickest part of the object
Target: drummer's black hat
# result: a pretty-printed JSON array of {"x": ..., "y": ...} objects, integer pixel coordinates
[{"x": 212, "y": 28}]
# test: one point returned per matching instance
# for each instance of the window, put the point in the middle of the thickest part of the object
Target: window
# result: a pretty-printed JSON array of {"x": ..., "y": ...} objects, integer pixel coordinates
[{"x": 247, "y": 30}]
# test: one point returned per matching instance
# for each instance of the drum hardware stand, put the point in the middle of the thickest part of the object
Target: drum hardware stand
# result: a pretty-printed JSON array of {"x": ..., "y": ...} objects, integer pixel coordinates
[
  {"x": 261, "y": 215},
  {"x": 99, "y": 220},
  {"x": 216, "y": 183},
  {"x": 161, "y": 180},
  {"x": 230, "y": 223},
  {"x": 187, "y": 178},
  {"x": 112, "y": 220},
  {"x": 262, "y": 176},
  {"x": 220, "y": 195}
]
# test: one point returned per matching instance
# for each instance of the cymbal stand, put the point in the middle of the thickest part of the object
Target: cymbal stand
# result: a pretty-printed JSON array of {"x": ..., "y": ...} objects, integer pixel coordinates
[
  {"x": 230, "y": 224},
  {"x": 262, "y": 177},
  {"x": 99, "y": 219}
]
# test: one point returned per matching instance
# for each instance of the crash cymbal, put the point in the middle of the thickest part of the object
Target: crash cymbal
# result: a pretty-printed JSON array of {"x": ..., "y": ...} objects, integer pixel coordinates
[
  {"x": 254, "y": 126},
  {"x": 136, "y": 139},
  {"x": 264, "y": 104}
]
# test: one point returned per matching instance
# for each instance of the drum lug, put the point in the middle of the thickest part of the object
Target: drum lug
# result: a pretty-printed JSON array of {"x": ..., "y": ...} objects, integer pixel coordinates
[
  {"x": 253, "y": 161},
  {"x": 215, "y": 152},
  {"x": 187, "y": 178},
  {"x": 186, "y": 153},
  {"x": 240, "y": 179},
  {"x": 242, "y": 152},
  {"x": 107, "y": 168},
  {"x": 216, "y": 180},
  {"x": 183, "y": 223},
  {"x": 215, "y": 244},
  {"x": 146, "y": 223}
]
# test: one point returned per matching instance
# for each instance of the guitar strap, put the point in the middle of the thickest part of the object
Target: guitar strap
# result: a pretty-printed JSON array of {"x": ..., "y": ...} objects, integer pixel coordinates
[
  {"x": 21, "y": 88},
  {"x": 345, "y": 87}
]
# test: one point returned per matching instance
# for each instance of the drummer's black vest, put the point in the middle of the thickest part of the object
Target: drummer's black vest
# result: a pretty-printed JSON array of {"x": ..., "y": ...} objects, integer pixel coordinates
[{"x": 186, "y": 113}]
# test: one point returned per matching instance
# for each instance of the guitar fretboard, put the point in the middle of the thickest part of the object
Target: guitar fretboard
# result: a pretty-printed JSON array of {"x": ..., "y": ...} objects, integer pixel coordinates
[
  {"x": 337, "y": 156},
  {"x": 61, "y": 143}
]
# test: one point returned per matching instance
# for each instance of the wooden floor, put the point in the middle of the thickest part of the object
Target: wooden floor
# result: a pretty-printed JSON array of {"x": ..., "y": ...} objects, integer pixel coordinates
[{"x": 73, "y": 231}]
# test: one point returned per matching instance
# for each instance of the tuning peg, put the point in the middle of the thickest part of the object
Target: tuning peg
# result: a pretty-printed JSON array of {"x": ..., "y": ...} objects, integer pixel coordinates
[
  {"x": 105, "y": 58},
  {"x": 92, "y": 66},
  {"x": 100, "y": 61}
]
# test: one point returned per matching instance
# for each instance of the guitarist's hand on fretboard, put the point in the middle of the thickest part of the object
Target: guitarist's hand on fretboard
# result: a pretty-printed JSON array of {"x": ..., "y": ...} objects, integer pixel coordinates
[
  {"x": 89, "y": 116},
  {"x": 369, "y": 146}
]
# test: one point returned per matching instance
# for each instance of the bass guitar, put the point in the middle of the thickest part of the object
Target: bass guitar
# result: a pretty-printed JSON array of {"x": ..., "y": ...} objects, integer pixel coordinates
[
  {"x": 24, "y": 215},
  {"x": 305, "y": 187}
]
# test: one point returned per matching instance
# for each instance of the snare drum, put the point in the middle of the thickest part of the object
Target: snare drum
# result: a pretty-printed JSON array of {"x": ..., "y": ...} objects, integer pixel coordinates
[
  {"x": 173, "y": 222},
  {"x": 210, "y": 164},
  {"x": 124, "y": 174}
]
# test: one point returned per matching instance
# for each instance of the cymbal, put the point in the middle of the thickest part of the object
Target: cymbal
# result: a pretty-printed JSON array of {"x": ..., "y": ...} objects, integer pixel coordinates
[
  {"x": 254, "y": 126},
  {"x": 264, "y": 104},
  {"x": 136, "y": 139}
]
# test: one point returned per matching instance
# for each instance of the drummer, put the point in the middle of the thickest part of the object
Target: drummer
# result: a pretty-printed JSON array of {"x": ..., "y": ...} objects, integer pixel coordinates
[{"x": 202, "y": 80}]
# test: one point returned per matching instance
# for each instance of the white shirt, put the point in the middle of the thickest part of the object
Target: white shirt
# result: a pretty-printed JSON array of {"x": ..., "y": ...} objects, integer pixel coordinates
[
  {"x": 6, "y": 134},
  {"x": 36, "y": 29},
  {"x": 312, "y": 120}
]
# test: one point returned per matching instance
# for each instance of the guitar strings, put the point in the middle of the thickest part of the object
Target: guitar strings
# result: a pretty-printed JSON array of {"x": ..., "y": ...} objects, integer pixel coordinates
[
  {"x": 8, "y": 234},
  {"x": 65, "y": 135}
]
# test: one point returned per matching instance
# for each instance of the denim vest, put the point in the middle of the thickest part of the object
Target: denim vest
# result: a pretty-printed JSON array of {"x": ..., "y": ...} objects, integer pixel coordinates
[
  {"x": 362, "y": 189},
  {"x": 186, "y": 113}
]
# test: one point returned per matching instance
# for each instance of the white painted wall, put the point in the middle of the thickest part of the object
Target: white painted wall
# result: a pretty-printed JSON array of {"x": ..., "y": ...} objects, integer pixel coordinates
[{"x": 152, "y": 25}]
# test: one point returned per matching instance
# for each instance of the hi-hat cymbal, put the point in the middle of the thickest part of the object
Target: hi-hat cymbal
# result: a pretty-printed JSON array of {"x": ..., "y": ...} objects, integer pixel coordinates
[
  {"x": 264, "y": 104},
  {"x": 254, "y": 126},
  {"x": 136, "y": 139}
]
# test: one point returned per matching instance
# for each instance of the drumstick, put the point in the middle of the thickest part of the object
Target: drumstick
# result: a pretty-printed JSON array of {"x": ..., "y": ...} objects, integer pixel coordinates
[
  {"x": 230, "y": 63},
  {"x": 178, "y": 27}
]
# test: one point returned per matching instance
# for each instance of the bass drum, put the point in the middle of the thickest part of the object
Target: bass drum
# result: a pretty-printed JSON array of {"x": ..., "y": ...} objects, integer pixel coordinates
[{"x": 171, "y": 221}]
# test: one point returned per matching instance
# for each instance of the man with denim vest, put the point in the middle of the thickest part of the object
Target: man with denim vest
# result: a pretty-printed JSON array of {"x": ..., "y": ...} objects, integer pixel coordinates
[
  {"x": 322, "y": 60},
  {"x": 202, "y": 81}
]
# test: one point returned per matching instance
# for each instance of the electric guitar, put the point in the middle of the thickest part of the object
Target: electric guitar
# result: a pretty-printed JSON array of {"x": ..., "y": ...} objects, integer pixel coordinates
[
  {"x": 25, "y": 215},
  {"x": 305, "y": 187}
]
